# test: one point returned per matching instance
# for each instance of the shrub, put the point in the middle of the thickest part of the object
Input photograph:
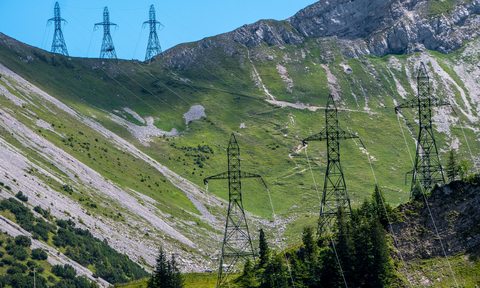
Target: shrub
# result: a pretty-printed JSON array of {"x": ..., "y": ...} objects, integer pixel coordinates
[
  {"x": 21, "y": 266},
  {"x": 31, "y": 263},
  {"x": 39, "y": 254},
  {"x": 20, "y": 254},
  {"x": 8, "y": 260},
  {"x": 14, "y": 270},
  {"x": 21, "y": 196},
  {"x": 22, "y": 240},
  {"x": 66, "y": 272}
]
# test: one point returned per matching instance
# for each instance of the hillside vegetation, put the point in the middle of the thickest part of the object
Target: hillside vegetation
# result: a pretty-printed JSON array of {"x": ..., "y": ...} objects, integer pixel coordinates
[{"x": 120, "y": 148}]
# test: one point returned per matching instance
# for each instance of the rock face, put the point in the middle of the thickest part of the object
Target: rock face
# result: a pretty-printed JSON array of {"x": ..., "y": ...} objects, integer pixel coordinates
[
  {"x": 454, "y": 210},
  {"x": 378, "y": 27},
  {"x": 270, "y": 32},
  {"x": 347, "y": 19}
]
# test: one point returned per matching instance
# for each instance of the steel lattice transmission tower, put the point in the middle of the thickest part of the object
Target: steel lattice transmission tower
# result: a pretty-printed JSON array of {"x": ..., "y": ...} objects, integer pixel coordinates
[
  {"x": 334, "y": 189},
  {"x": 58, "y": 44},
  {"x": 236, "y": 242},
  {"x": 153, "y": 47},
  {"x": 427, "y": 170},
  {"x": 108, "y": 50}
]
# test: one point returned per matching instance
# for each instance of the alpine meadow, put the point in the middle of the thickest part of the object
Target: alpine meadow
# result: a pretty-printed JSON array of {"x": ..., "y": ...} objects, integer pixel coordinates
[{"x": 343, "y": 141}]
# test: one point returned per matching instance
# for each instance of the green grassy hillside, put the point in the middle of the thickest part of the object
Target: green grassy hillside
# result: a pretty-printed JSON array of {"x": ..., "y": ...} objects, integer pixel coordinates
[{"x": 227, "y": 87}]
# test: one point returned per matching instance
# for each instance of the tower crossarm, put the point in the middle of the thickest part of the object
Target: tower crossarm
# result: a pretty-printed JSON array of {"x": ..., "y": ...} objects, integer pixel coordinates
[
  {"x": 105, "y": 24},
  {"x": 415, "y": 103},
  {"x": 324, "y": 135},
  {"x": 54, "y": 19},
  {"x": 224, "y": 175},
  {"x": 409, "y": 104}
]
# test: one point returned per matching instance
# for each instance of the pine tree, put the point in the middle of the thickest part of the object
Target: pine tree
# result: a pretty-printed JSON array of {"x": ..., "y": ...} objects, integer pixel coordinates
[
  {"x": 451, "y": 170},
  {"x": 275, "y": 274},
  {"x": 417, "y": 191},
  {"x": 382, "y": 209},
  {"x": 330, "y": 275},
  {"x": 344, "y": 245},
  {"x": 176, "y": 278},
  {"x": 363, "y": 261},
  {"x": 309, "y": 242},
  {"x": 166, "y": 273},
  {"x": 159, "y": 275},
  {"x": 264, "y": 251},
  {"x": 382, "y": 266},
  {"x": 248, "y": 278}
]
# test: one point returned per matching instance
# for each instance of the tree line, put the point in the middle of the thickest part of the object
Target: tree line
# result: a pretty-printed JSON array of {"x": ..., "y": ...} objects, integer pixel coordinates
[{"x": 355, "y": 254}]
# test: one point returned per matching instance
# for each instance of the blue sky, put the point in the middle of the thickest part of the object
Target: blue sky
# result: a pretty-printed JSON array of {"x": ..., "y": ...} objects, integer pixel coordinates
[{"x": 184, "y": 21}]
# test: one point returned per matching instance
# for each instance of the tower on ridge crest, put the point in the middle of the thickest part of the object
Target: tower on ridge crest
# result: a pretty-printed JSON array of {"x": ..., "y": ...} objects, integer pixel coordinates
[
  {"x": 108, "y": 50},
  {"x": 153, "y": 47},
  {"x": 58, "y": 45}
]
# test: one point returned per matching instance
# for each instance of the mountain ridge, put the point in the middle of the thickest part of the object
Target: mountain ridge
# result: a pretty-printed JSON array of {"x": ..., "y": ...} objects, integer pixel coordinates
[{"x": 380, "y": 28}]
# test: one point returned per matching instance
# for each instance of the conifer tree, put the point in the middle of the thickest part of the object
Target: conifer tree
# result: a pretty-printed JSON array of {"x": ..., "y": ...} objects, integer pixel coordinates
[
  {"x": 248, "y": 278},
  {"x": 417, "y": 192},
  {"x": 382, "y": 209},
  {"x": 159, "y": 275},
  {"x": 306, "y": 270},
  {"x": 176, "y": 278},
  {"x": 344, "y": 245},
  {"x": 166, "y": 273},
  {"x": 363, "y": 261},
  {"x": 452, "y": 164},
  {"x": 383, "y": 266},
  {"x": 275, "y": 274},
  {"x": 309, "y": 242},
  {"x": 264, "y": 251},
  {"x": 330, "y": 271}
]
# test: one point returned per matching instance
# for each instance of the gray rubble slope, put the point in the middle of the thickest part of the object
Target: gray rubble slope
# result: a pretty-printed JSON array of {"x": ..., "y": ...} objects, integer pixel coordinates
[{"x": 143, "y": 214}]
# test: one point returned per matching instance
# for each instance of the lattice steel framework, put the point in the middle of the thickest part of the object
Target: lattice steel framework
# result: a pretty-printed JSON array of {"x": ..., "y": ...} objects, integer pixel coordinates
[
  {"x": 58, "y": 44},
  {"x": 153, "y": 47},
  {"x": 427, "y": 170},
  {"x": 335, "y": 193},
  {"x": 237, "y": 243},
  {"x": 108, "y": 50}
]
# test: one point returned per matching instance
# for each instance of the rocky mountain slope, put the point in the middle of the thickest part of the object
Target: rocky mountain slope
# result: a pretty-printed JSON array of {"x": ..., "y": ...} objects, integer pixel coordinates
[
  {"x": 362, "y": 27},
  {"x": 123, "y": 146},
  {"x": 447, "y": 227}
]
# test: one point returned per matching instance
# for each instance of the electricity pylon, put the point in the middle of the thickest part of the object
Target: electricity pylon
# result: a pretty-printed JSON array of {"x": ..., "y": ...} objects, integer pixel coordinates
[
  {"x": 58, "y": 44},
  {"x": 153, "y": 47},
  {"x": 427, "y": 170},
  {"x": 236, "y": 241},
  {"x": 335, "y": 193},
  {"x": 108, "y": 50}
]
